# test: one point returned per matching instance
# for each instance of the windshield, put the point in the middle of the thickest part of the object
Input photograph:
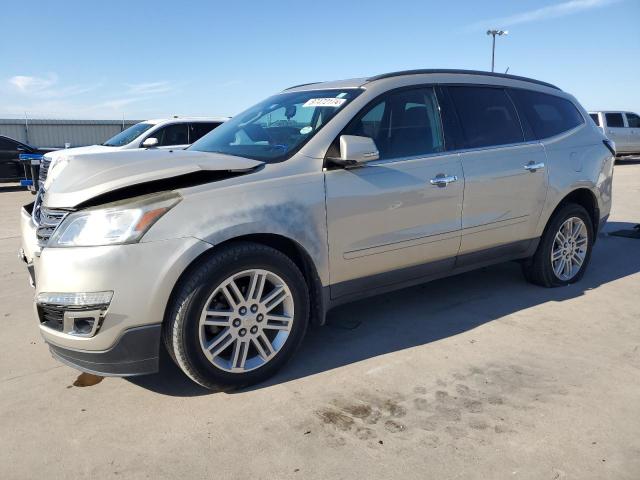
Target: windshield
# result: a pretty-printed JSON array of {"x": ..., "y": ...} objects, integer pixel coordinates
[
  {"x": 128, "y": 135},
  {"x": 276, "y": 128}
]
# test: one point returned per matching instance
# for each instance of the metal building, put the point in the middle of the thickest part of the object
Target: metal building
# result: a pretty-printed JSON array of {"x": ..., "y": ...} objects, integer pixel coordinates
[{"x": 57, "y": 133}]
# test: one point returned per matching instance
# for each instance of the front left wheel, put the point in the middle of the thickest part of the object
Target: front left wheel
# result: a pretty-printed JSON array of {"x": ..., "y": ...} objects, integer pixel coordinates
[{"x": 237, "y": 317}]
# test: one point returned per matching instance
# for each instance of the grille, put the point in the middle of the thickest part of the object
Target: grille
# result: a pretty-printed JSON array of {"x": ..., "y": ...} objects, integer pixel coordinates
[
  {"x": 48, "y": 222},
  {"x": 51, "y": 317},
  {"x": 44, "y": 169}
]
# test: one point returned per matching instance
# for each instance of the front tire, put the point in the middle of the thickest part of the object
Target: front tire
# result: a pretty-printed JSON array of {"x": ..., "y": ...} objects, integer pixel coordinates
[
  {"x": 238, "y": 317},
  {"x": 564, "y": 250}
]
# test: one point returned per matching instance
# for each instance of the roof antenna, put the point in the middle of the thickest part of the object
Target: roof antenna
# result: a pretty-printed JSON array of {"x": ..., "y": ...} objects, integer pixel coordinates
[{"x": 506, "y": 71}]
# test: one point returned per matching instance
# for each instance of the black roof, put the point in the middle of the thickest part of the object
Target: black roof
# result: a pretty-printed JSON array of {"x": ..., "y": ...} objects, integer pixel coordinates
[{"x": 455, "y": 71}]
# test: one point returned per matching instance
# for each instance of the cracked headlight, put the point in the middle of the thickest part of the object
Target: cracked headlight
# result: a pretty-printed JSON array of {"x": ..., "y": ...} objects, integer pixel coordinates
[{"x": 114, "y": 223}]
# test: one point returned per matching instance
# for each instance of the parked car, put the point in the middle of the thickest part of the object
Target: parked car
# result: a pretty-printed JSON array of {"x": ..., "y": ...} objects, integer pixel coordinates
[
  {"x": 11, "y": 169},
  {"x": 175, "y": 132},
  {"x": 324, "y": 193},
  {"x": 623, "y": 128}
]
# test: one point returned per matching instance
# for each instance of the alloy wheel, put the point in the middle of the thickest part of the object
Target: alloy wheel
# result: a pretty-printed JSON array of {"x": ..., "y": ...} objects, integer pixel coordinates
[
  {"x": 246, "y": 320},
  {"x": 569, "y": 248}
]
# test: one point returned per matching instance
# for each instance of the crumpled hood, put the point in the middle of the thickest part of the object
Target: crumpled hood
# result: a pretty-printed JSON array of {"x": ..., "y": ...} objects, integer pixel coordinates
[
  {"x": 70, "y": 152},
  {"x": 90, "y": 175},
  {"x": 59, "y": 159}
]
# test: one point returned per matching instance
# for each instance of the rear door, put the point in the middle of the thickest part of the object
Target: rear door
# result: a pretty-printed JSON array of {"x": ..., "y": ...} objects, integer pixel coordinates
[
  {"x": 505, "y": 178},
  {"x": 616, "y": 130},
  {"x": 396, "y": 219},
  {"x": 633, "y": 126}
]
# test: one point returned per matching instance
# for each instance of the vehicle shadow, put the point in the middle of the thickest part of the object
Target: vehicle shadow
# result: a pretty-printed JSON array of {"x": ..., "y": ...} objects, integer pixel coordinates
[
  {"x": 630, "y": 161},
  {"x": 423, "y": 314}
]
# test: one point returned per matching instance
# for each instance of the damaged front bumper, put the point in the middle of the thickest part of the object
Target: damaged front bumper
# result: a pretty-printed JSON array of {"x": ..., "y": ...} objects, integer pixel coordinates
[
  {"x": 118, "y": 335},
  {"x": 135, "y": 353}
]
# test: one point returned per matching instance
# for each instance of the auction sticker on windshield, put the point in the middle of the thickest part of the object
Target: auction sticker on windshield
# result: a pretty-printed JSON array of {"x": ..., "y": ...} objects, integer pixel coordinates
[{"x": 324, "y": 102}]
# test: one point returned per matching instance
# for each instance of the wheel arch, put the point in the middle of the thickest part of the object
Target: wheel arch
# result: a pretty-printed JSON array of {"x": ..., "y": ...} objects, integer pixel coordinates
[
  {"x": 586, "y": 199},
  {"x": 289, "y": 247}
]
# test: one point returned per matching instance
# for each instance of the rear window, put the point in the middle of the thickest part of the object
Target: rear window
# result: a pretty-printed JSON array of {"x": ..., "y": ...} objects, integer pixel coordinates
[
  {"x": 633, "y": 120},
  {"x": 197, "y": 130},
  {"x": 595, "y": 118},
  {"x": 614, "y": 120},
  {"x": 487, "y": 115},
  {"x": 548, "y": 115}
]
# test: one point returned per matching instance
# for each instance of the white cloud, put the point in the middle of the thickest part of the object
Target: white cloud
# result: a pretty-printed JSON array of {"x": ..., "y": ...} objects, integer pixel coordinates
[
  {"x": 545, "y": 13},
  {"x": 149, "y": 88},
  {"x": 46, "y": 95},
  {"x": 46, "y": 88},
  {"x": 29, "y": 84}
]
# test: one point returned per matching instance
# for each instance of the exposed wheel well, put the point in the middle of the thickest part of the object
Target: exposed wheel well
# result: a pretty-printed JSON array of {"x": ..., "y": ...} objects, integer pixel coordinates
[
  {"x": 585, "y": 198},
  {"x": 291, "y": 249}
]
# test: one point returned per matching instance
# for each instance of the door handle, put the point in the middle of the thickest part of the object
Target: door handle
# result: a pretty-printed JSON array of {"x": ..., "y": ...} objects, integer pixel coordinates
[
  {"x": 443, "y": 180},
  {"x": 532, "y": 167}
]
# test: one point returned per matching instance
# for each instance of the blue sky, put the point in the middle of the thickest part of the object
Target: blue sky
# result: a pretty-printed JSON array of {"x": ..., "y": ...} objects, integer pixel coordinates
[{"x": 145, "y": 59}]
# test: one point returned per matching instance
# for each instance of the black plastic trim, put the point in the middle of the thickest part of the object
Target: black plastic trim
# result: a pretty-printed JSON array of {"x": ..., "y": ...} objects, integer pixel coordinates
[
  {"x": 135, "y": 353},
  {"x": 351, "y": 290}
]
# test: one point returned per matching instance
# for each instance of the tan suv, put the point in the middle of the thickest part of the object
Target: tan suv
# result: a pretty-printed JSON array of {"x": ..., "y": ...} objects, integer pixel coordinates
[{"x": 316, "y": 196}]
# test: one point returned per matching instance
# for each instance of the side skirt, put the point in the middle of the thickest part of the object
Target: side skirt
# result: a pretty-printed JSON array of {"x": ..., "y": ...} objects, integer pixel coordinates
[{"x": 408, "y": 277}]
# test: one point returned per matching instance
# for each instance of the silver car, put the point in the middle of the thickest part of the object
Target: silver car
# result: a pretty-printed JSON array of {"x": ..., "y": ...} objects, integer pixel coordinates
[{"x": 226, "y": 252}]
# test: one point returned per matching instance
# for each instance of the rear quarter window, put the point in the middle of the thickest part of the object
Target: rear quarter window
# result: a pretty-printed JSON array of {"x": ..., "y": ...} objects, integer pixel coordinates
[
  {"x": 633, "y": 120},
  {"x": 548, "y": 115}
]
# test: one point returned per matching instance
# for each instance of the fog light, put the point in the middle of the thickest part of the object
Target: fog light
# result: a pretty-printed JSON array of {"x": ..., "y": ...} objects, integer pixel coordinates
[
  {"x": 79, "y": 299},
  {"x": 83, "y": 326},
  {"x": 78, "y": 314}
]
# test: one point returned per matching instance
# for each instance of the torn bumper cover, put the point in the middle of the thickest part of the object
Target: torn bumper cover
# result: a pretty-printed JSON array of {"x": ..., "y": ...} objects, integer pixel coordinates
[
  {"x": 88, "y": 329},
  {"x": 135, "y": 353}
]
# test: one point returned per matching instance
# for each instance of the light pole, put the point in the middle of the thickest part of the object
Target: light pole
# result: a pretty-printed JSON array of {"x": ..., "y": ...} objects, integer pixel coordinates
[{"x": 493, "y": 33}]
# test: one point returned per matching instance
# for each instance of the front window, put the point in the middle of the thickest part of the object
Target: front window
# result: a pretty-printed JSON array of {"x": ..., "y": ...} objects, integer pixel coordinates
[
  {"x": 128, "y": 135},
  {"x": 276, "y": 128}
]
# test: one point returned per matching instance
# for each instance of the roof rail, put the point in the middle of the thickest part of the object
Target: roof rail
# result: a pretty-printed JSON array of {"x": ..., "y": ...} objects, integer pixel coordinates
[
  {"x": 455, "y": 71},
  {"x": 301, "y": 85}
]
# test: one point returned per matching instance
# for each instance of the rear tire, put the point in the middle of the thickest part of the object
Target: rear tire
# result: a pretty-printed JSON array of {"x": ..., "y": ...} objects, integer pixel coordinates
[
  {"x": 564, "y": 250},
  {"x": 237, "y": 317}
]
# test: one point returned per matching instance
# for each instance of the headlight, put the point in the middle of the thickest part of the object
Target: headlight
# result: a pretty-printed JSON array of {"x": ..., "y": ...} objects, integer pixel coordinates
[{"x": 115, "y": 223}]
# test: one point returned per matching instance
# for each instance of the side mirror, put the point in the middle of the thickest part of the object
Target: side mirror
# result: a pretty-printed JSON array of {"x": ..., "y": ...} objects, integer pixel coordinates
[
  {"x": 355, "y": 150},
  {"x": 150, "y": 142}
]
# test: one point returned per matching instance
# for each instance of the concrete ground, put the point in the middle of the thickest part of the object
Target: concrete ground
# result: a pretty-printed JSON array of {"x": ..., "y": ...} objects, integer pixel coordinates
[{"x": 477, "y": 376}]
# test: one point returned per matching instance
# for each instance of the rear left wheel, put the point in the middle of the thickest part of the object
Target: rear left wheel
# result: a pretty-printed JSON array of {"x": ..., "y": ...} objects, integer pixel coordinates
[{"x": 564, "y": 250}]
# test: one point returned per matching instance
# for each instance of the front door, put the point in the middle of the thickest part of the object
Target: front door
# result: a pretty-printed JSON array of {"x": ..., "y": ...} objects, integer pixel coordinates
[{"x": 398, "y": 218}]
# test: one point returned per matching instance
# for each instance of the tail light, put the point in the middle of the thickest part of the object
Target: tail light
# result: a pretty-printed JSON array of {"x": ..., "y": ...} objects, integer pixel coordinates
[{"x": 610, "y": 145}]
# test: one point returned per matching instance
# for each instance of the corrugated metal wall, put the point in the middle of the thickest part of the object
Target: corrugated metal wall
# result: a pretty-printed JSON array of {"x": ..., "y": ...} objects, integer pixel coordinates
[{"x": 55, "y": 133}]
